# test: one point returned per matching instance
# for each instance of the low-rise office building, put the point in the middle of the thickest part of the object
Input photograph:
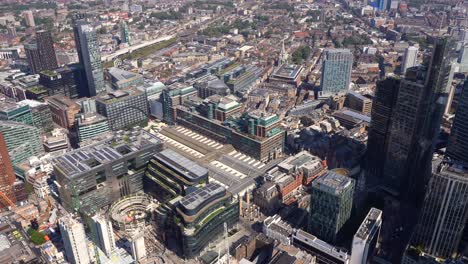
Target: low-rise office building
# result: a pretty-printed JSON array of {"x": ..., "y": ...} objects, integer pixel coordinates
[
  {"x": 121, "y": 79},
  {"x": 97, "y": 175},
  {"x": 123, "y": 108}
]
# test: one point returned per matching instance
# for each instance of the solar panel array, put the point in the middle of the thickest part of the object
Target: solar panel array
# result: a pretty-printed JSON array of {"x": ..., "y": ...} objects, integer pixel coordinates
[
  {"x": 196, "y": 198},
  {"x": 80, "y": 160},
  {"x": 191, "y": 169}
]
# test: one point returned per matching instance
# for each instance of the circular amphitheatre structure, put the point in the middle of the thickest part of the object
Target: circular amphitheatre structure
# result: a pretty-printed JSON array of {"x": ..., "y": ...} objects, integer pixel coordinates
[{"x": 131, "y": 212}]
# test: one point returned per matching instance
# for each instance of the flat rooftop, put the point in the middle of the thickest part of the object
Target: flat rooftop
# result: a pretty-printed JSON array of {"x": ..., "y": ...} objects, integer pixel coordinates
[
  {"x": 181, "y": 164},
  {"x": 320, "y": 245},
  {"x": 288, "y": 71},
  {"x": 122, "y": 75},
  {"x": 115, "y": 96},
  {"x": 193, "y": 201},
  {"x": 298, "y": 160},
  {"x": 84, "y": 159},
  {"x": 7, "y": 105},
  {"x": 370, "y": 223},
  {"x": 332, "y": 182}
]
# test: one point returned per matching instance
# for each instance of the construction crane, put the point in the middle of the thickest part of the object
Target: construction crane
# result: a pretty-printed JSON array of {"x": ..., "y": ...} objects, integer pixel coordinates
[{"x": 7, "y": 202}]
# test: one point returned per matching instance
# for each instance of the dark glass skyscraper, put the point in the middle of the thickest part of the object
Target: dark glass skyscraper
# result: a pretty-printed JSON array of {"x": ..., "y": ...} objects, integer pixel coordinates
[
  {"x": 416, "y": 122},
  {"x": 457, "y": 148},
  {"x": 383, "y": 106},
  {"x": 87, "y": 46}
]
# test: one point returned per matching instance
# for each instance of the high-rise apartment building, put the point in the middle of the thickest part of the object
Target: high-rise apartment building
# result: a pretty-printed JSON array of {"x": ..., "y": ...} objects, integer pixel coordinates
[
  {"x": 74, "y": 240},
  {"x": 444, "y": 212},
  {"x": 29, "y": 18},
  {"x": 41, "y": 53},
  {"x": 7, "y": 174},
  {"x": 366, "y": 238},
  {"x": 87, "y": 46},
  {"x": 331, "y": 203},
  {"x": 45, "y": 46},
  {"x": 123, "y": 108},
  {"x": 409, "y": 60},
  {"x": 336, "y": 71}
]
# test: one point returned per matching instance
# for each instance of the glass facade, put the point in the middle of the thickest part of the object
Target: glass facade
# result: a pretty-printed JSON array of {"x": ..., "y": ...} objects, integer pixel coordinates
[{"x": 336, "y": 71}]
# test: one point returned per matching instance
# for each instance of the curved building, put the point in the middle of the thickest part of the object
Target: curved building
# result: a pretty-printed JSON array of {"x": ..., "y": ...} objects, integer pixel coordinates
[
  {"x": 169, "y": 174},
  {"x": 201, "y": 215}
]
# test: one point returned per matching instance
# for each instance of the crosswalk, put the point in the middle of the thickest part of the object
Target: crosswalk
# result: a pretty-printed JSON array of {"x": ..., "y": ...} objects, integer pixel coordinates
[
  {"x": 200, "y": 138},
  {"x": 246, "y": 159},
  {"x": 183, "y": 147}
]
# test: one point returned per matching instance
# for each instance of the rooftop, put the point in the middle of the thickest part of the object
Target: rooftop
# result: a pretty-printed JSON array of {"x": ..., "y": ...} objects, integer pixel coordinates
[
  {"x": 370, "y": 223},
  {"x": 121, "y": 75},
  {"x": 298, "y": 160},
  {"x": 188, "y": 168},
  {"x": 289, "y": 71},
  {"x": 332, "y": 182},
  {"x": 115, "y": 96},
  {"x": 7, "y": 105},
  {"x": 193, "y": 201},
  {"x": 320, "y": 245},
  {"x": 84, "y": 159}
]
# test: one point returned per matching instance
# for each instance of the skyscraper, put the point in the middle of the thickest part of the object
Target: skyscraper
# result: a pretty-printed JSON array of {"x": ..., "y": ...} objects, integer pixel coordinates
[
  {"x": 458, "y": 141},
  {"x": 444, "y": 212},
  {"x": 103, "y": 233},
  {"x": 45, "y": 46},
  {"x": 336, "y": 71},
  {"x": 409, "y": 60},
  {"x": 41, "y": 53},
  {"x": 124, "y": 33},
  {"x": 416, "y": 121},
  {"x": 74, "y": 240},
  {"x": 7, "y": 175},
  {"x": 366, "y": 238},
  {"x": 331, "y": 202},
  {"x": 383, "y": 106},
  {"x": 29, "y": 18},
  {"x": 87, "y": 46}
]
